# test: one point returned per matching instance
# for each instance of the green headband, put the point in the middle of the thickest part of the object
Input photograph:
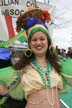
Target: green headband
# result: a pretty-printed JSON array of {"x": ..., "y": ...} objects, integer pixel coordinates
[{"x": 36, "y": 29}]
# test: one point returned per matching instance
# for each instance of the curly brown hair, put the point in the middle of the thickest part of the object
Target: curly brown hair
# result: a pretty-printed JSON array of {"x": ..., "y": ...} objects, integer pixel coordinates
[
  {"x": 52, "y": 58},
  {"x": 21, "y": 23}
]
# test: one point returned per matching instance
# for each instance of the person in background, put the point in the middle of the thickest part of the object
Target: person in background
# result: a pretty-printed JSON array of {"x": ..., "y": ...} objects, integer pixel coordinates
[
  {"x": 39, "y": 67},
  {"x": 69, "y": 53}
]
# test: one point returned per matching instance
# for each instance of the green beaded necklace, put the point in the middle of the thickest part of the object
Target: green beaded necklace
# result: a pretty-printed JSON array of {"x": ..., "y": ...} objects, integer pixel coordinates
[{"x": 46, "y": 81}]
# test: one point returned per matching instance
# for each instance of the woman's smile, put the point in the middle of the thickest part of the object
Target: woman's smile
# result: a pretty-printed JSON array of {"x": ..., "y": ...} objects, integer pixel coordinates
[
  {"x": 39, "y": 47},
  {"x": 39, "y": 43}
]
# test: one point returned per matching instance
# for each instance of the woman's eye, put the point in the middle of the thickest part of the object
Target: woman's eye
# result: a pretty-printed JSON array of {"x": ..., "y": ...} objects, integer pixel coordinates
[
  {"x": 42, "y": 39},
  {"x": 34, "y": 39}
]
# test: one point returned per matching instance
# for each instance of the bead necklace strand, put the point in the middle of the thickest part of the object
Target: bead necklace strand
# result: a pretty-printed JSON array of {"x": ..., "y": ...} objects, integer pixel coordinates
[
  {"x": 51, "y": 103},
  {"x": 46, "y": 81}
]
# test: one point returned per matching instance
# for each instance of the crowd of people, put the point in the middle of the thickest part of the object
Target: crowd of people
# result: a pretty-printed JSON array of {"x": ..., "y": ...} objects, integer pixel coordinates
[{"x": 65, "y": 53}]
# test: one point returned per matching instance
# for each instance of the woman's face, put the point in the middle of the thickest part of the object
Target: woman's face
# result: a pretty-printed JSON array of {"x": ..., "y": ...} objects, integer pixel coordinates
[{"x": 39, "y": 43}]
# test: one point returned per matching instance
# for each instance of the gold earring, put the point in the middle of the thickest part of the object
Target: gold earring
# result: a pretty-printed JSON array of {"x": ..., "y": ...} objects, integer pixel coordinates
[
  {"x": 51, "y": 49},
  {"x": 28, "y": 52}
]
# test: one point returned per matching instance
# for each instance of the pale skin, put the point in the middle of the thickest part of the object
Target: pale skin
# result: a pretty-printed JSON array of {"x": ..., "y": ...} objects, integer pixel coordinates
[{"x": 39, "y": 46}]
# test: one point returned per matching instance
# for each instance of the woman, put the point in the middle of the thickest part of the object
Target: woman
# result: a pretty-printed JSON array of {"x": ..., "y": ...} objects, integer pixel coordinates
[{"x": 40, "y": 68}]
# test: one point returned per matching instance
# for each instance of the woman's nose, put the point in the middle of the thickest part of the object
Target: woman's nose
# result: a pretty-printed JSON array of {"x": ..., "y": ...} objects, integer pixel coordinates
[{"x": 38, "y": 41}]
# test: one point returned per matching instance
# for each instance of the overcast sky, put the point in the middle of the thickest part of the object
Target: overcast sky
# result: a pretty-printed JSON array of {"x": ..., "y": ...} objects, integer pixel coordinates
[{"x": 62, "y": 35}]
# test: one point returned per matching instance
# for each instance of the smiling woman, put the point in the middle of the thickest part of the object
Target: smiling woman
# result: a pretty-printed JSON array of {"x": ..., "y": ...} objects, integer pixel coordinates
[
  {"x": 40, "y": 70},
  {"x": 39, "y": 43}
]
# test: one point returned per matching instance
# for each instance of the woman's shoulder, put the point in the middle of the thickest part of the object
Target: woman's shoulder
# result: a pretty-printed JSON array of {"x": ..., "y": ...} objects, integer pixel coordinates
[{"x": 25, "y": 69}]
